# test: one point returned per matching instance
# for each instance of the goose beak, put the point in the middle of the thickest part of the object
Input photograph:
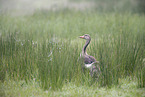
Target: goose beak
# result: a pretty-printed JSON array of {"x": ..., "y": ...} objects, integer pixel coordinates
[{"x": 81, "y": 37}]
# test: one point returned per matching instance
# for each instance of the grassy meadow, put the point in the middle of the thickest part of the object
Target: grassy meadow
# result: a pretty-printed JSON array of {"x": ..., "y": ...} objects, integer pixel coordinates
[{"x": 39, "y": 54}]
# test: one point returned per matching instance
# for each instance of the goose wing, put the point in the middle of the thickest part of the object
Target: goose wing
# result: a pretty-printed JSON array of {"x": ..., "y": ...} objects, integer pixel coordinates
[{"x": 89, "y": 59}]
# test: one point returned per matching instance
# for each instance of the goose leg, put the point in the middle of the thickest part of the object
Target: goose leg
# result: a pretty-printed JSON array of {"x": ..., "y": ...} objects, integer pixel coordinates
[{"x": 91, "y": 72}]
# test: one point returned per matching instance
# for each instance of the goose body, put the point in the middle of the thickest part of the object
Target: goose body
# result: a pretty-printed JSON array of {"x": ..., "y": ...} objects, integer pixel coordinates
[
  {"x": 89, "y": 65},
  {"x": 89, "y": 61}
]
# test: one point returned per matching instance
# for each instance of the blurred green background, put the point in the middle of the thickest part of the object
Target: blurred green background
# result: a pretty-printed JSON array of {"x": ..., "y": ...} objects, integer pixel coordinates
[
  {"x": 30, "y": 6},
  {"x": 39, "y": 47}
]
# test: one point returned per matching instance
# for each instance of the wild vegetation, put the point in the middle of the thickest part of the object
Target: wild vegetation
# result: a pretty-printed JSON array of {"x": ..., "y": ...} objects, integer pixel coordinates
[{"x": 40, "y": 53}]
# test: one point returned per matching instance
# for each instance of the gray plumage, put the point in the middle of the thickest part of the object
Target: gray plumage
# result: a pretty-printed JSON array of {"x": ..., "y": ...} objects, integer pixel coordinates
[{"x": 89, "y": 61}]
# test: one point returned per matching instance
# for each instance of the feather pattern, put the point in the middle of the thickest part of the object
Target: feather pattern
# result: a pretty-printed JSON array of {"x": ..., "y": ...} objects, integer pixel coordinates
[{"x": 89, "y": 61}]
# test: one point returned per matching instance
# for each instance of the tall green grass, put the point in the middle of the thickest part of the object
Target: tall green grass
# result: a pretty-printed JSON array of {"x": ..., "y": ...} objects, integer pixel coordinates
[{"x": 45, "y": 47}]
